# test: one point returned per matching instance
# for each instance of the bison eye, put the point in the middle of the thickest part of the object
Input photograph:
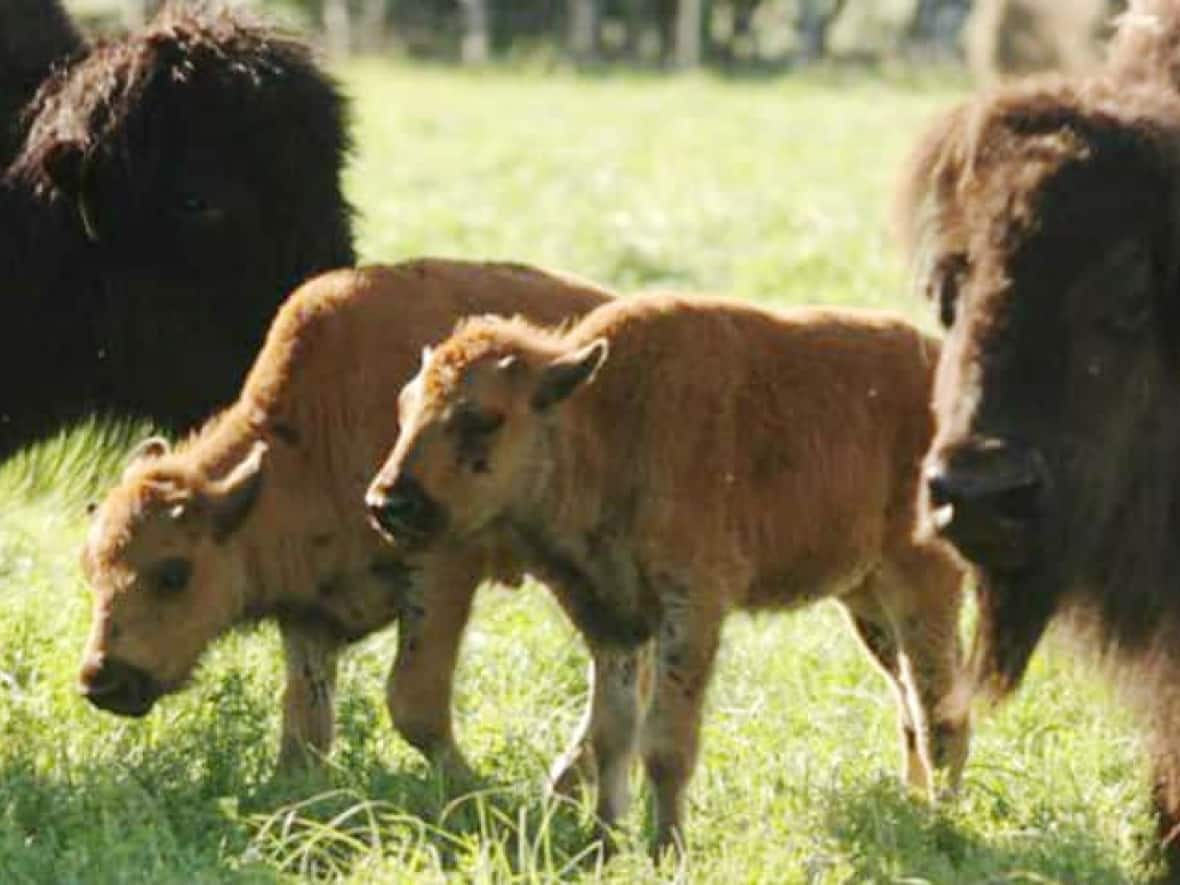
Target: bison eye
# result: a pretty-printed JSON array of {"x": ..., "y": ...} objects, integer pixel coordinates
[
  {"x": 1130, "y": 312},
  {"x": 171, "y": 576},
  {"x": 470, "y": 422},
  {"x": 944, "y": 288},
  {"x": 197, "y": 207}
]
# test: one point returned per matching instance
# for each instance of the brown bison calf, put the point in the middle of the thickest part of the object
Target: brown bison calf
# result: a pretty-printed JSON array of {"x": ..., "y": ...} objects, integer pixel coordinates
[
  {"x": 260, "y": 514},
  {"x": 723, "y": 457},
  {"x": 1046, "y": 220}
]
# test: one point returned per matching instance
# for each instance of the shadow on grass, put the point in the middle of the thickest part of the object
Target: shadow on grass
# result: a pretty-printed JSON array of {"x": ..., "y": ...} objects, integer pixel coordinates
[
  {"x": 310, "y": 825},
  {"x": 325, "y": 823},
  {"x": 889, "y": 836}
]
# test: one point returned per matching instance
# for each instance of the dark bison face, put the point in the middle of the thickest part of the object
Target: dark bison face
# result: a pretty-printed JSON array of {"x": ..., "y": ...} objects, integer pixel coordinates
[
  {"x": 200, "y": 160},
  {"x": 1052, "y": 251}
]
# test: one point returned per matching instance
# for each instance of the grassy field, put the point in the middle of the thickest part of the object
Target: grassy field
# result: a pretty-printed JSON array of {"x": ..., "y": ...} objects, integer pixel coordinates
[{"x": 772, "y": 189}]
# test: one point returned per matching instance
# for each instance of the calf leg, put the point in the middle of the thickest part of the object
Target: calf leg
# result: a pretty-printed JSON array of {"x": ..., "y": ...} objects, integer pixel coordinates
[
  {"x": 1165, "y": 796},
  {"x": 605, "y": 743},
  {"x": 686, "y": 646},
  {"x": 876, "y": 633},
  {"x": 418, "y": 690},
  {"x": 921, "y": 590},
  {"x": 308, "y": 714}
]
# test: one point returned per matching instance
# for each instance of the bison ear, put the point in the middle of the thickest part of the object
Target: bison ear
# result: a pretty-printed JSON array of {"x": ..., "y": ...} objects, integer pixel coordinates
[
  {"x": 567, "y": 373},
  {"x": 149, "y": 449},
  {"x": 70, "y": 170},
  {"x": 232, "y": 499}
]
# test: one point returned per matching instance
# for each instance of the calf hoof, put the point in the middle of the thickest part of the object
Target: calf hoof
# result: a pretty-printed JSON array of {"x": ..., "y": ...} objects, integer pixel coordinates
[
  {"x": 572, "y": 775},
  {"x": 298, "y": 759},
  {"x": 667, "y": 849},
  {"x": 456, "y": 774}
]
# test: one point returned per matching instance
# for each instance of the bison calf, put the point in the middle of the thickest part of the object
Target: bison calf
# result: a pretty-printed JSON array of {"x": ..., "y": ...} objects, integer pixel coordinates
[
  {"x": 259, "y": 516},
  {"x": 723, "y": 457}
]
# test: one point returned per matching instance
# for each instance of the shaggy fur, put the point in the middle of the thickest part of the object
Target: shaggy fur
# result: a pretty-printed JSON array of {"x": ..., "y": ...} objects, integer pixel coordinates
[
  {"x": 1046, "y": 222},
  {"x": 264, "y": 509},
  {"x": 172, "y": 188},
  {"x": 34, "y": 36},
  {"x": 722, "y": 457}
]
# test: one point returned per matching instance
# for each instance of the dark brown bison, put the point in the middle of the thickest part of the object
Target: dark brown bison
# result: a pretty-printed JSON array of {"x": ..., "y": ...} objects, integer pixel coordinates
[
  {"x": 1045, "y": 220},
  {"x": 170, "y": 188},
  {"x": 723, "y": 458}
]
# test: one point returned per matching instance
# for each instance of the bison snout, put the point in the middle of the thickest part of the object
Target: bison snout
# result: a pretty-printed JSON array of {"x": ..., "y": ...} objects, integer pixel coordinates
[
  {"x": 986, "y": 499},
  {"x": 404, "y": 512},
  {"x": 119, "y": 687}
]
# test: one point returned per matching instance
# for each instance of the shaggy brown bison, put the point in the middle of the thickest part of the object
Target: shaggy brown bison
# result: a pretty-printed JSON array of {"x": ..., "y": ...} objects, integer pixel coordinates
[
  {"x": 171, "y": 188},
  {"x": 724, "y": 457},
  {"x": 1046, "y": 223},
  {"x": 260, "y": 514}
]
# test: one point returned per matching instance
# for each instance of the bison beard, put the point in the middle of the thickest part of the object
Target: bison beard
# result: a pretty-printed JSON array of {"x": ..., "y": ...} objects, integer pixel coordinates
[{"x": 171, "y": 188}]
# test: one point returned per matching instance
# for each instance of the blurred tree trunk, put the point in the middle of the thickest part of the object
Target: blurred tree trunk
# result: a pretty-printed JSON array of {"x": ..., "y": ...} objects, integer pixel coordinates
[
  {"x": 337, "y": 26},
  {"x": 476, "y": 45},
  {"x": 633, "y": 42},
  {"x": 689, "y": 15},
  {"x": 665, "y": 15},
  {"x": 936, "y": 27},
  {"x": 814, "y": 21},
  {"x": 583, "y": 29},
  {"x": 136, "y": 13},
  {"x": 373, "y": 31}
]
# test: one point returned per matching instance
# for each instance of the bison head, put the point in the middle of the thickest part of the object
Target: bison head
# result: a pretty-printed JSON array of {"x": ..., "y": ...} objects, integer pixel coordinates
[
  {"x": 196, "y": 165},
  {"x": 1046, "y": 223},
  {"x": 164, "y": 581},
  {"x": 473, "y": 430}
]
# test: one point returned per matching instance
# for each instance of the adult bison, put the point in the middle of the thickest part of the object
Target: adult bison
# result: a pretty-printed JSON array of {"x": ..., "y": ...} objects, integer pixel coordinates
[
  {"x": 170, "y": 188},
  {"x": 1046, "y": 223}
]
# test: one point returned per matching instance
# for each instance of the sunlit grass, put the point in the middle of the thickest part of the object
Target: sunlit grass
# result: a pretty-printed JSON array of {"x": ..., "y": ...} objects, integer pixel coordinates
[{"x": 774, "y": 189}]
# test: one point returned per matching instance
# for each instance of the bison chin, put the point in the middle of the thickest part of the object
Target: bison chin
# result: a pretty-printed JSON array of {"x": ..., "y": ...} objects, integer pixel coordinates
[
  {"x": 1015, "y": 609},
  {"x": 121, "y": 688}
]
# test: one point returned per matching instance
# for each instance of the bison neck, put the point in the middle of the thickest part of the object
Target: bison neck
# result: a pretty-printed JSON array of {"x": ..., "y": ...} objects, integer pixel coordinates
[
  {"x": 579, "y": 542},
  {"x": 313, "y": 562}
]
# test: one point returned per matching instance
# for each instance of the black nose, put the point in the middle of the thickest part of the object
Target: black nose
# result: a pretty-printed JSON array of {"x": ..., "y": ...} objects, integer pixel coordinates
[
  {"x": 986, "y": 498},
  {"x": 119, "y": 687},
  {"x": 403, "y": 512}
]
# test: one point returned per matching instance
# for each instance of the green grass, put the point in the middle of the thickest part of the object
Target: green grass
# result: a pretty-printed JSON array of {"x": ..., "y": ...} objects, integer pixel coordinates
[{"x": 774, "y": 189}]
